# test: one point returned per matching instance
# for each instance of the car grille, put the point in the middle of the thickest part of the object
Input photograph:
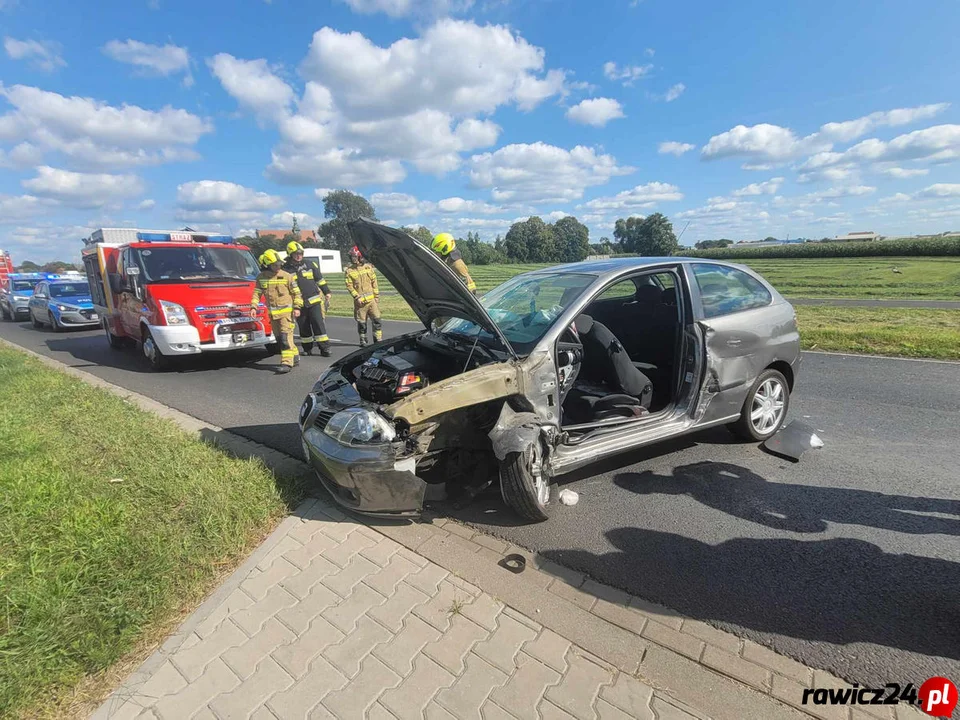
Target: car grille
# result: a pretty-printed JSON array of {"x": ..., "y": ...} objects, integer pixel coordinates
[
  {"x": 323, "y": 417},
  {"x": 87, "y": 313}
]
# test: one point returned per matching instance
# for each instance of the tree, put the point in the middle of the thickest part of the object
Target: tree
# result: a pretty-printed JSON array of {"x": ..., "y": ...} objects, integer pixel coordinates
[
  {"x": 650, "y": 236},
  {"x": 770, "y": 238},
  {"x": 421, "y": 234},
  {"x": 28, "y": 266},
  {"x": 258, "y": 245},
  {"x": 57, "y": 266},
  {"x": 295, "y": 229},
  {"x": 530, "y": 241},
  {"x": 572, "y": 239},
  {"x": 342, "y": 207},
  {"x": 710, "y": 244}
]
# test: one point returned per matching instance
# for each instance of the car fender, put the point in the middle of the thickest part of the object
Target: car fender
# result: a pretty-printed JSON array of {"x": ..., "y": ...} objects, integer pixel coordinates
[{"x": 514, "y": 432}]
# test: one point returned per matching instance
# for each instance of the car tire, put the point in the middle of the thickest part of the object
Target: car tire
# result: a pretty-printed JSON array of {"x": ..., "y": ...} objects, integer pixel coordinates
[
  {"x": 7, "y": 315},
  {"x": 527, "y": 493},
  {"x": 117, "y": 343},
  {"x": 156, "y": 359},
  {"x": 33, "y": 321},
  {"x": 54, "y": 325},
  {"x": 764, "y": 409}
]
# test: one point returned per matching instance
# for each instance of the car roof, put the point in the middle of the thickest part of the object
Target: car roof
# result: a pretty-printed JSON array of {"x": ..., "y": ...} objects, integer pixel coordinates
[{"x": 615, "y": 266}]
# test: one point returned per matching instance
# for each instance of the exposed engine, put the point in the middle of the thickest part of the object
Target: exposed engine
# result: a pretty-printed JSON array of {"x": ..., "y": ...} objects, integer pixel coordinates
[{"x": 388, "y": 376}]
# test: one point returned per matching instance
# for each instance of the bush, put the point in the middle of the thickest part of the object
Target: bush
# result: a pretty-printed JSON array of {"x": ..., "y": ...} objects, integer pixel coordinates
[{"x": 933, "y": 247}]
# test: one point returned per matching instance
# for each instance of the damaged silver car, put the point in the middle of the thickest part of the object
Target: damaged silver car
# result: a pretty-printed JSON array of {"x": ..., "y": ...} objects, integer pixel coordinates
[{"x": 551, "y": 371}]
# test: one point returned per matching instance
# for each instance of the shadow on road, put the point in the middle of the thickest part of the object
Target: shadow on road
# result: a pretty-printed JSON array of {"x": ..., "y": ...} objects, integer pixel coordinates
[
  {"x": 737, "y": 491},
  {"x": 839, "y": 591}
]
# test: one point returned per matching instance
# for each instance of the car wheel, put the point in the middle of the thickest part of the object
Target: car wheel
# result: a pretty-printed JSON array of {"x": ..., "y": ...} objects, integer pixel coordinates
[
  {"x": 525, "y": 485},
  {"x": 765, "y": 408},
  {"x": 115, "y": 342},
  {"x": 7, "y": 315},
  {"x": 158, "y": 361},
  {"x": 33, "y": 321},
  {"x": 54, "y": 324}
]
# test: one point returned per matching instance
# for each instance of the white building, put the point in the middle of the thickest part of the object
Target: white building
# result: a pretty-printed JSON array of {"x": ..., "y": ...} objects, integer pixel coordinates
[
  {"x": 329, "y": 260},
  {"x": 849, "y": 237}
]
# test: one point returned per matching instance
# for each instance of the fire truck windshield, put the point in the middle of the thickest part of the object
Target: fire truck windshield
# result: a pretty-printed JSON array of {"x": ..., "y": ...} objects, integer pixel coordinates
[{"x": 196, "y": 263}]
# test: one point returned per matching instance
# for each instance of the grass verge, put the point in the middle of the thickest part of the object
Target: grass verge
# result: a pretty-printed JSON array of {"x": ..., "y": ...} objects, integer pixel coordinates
[
  {"x": 113, "y": 524},
  {"x": 908, "y": 332}
]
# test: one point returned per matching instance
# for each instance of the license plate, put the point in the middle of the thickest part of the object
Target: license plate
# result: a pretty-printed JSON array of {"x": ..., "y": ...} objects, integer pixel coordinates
[
  {"x": 241, "y": 337},
  {"x": 94, "y": 316}
]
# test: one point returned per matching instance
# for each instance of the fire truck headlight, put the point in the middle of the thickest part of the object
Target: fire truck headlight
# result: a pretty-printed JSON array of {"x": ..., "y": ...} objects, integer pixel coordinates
[{"x": 174, "y": 314}]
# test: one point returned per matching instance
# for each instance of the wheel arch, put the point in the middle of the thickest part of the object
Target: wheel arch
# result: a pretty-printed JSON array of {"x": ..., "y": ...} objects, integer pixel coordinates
[{"x": 784, "y": 369}]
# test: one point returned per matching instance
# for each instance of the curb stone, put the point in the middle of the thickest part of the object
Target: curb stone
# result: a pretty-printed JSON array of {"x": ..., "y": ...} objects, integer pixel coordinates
[{"x": 696, "y": 670}]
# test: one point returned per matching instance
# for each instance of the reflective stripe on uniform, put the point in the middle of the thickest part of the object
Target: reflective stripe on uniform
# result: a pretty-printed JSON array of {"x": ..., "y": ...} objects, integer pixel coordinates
[
  {"x": 307, "y": 340},
  {"x": 315, "y": 299},
  {"x": 321, "y": 282},
  {"x": 367, "y": 298},
  {"x": 264, "y": 283},
  {"x": 471, "y": 286},
  {"x": 280, "y": 311},
  {"x": 322, "y": 338},
  {"x": 288, "y": 353},
  {"x": 308, "y": 274}
]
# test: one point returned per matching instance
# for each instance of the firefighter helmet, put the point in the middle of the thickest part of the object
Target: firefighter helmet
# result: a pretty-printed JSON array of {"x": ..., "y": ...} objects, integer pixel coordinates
[
  {"x": 294, "y": 247},
  {"x": 443, "y": 244},
  {"x": 269, "y": 257},
  {"x": 355, "y": 254}
]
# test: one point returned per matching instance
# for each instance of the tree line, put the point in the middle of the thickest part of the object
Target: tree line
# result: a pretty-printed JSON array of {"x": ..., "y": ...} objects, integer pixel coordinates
[{"x": 528, "y": 241}]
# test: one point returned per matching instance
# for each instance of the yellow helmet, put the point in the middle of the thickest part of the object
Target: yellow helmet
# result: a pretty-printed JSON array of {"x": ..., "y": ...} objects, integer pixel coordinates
[
  {"x": 443, "y": 244},
  {"x": 269, "y": 257},
  {"x": 294, "y": 247}
]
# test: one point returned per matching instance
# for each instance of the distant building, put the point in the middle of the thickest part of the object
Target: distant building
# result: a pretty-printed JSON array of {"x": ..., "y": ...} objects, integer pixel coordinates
[
  {"x": 305, "y": 235},
  {"x": 854, "y": 236}
]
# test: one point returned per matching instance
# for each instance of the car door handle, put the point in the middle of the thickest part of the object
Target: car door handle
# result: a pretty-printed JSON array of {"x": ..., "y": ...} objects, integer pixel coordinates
[{"x": 734, "y": 342}]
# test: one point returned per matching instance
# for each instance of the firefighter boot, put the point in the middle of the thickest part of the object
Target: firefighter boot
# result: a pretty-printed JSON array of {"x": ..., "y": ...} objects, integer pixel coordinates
[
  {"x": 325, "y": 349},
  {"x": 283, "y": 369}
]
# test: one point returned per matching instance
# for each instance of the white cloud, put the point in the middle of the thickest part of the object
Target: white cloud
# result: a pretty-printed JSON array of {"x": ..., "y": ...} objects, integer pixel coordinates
[
  {"x": 770, "y": 187},
  {"x": 642, "y": 196},
  {"x": 674, "y": 148},
  {"x": 94, "y": 135},
  {"x": 629, "y": 74},
  {"x": 82, "y": 190},
  {"x": 596, "y": 111},
  {"x": 14, "y": 208},
  {"x": 649, "y": 52},
  {"x": 163, "y": 60},
  {"x": 397, "y": 204},
  {"x": 368, "y": 109},
  {"x": 830, "y": 174},
  {"x": 147, "y": 205},
  {"x": 940, "y": 190},
  {"x": 674, "y": 92},
  {"x": 840, "y": 192},
  {"x": 902, "y": 173},
  {"x": 221, "y": 201},
  {"x": 403, "y": 8},
  {"x": 22, "y": 156},
  {"x": 459, "y": 205},
  {"x": 539, "y": 172},
  {"x": 852, "y": 129},
  {"x": 322, "y": 192},
  {"x": 898, "y": 198},
  {"x": 253, "y": 84},
  {"x": 940, "y": 143},
  {"x": 285, "y": 220},
  {"x": 763, "y": 144},
  {"x": 43, "y": 55}
]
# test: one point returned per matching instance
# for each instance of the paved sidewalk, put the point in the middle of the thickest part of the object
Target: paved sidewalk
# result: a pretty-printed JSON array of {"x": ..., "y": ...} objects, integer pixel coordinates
[{"x": 330, "y": 618}]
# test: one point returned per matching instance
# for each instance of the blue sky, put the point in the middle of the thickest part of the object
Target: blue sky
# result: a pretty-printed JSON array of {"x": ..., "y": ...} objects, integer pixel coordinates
[{"x": 737, "y": 120}]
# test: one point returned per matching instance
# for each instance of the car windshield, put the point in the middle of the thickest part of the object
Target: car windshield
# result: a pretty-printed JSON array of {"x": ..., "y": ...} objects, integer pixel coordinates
[
  {"x": 173, "y": 264},
  {"x": 524, "y": 308},
  {"x": 24, "y": 285},
  {"x": 69, "y": 289}
]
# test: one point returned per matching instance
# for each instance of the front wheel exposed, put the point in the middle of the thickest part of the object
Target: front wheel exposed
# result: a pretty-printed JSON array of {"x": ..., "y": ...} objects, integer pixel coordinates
[
  {"x": 765, "y": 408},
  {"x": 525, "y": 484}
]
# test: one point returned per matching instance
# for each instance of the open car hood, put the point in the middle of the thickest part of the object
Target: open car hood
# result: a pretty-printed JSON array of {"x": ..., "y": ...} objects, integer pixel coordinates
[{"x": 430, "y": 287}]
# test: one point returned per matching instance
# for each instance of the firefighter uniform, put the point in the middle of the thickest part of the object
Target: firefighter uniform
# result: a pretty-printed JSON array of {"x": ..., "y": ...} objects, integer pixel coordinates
[
  {"x": 361, "y": 281},
  {"x": 454, "y": 261},
  {"x": 280, "y": 291},
  {"x": 314, "y": 291}
]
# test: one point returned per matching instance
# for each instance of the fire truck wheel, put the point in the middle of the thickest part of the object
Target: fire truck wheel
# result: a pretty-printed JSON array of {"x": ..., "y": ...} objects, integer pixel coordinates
[
  {"x": 115, "y": 342},
  {"x": 158, "y": 361}
]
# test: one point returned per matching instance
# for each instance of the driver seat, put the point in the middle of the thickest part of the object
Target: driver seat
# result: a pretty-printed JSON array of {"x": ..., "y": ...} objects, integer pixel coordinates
[{"x": 606, "y": 363}]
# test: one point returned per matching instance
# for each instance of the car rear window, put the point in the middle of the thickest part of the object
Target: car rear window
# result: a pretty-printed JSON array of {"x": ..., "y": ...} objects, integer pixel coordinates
[{"x": 725, "y": 290}]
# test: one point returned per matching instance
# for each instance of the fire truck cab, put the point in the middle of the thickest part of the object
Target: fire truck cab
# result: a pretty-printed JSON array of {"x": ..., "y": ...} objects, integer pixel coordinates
[{"x": 174, "y": 293}]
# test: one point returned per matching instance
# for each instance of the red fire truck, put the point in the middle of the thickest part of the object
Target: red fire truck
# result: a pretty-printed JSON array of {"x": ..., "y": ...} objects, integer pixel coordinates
[
  {"x": 174, "y": 293},
  {"x": 6, "y": 268}
]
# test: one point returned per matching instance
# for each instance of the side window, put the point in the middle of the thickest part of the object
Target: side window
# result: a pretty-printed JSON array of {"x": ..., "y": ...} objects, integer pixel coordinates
[
  {"x": 725, "y": 290},
  {"x": 623, "y": 290},
  {"x": 41, "y": 289}
]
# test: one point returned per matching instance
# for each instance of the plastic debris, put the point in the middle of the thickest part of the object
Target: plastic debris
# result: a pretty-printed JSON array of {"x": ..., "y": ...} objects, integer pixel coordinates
[
  {"x": 815, "y": 441},
  {"x": 116, "y": 480},
  {"x": 569, "y": 497}
]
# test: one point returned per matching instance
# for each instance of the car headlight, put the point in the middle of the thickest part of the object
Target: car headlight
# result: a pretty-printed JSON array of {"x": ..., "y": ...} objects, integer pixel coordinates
[
  {"x": 66, "y": 308},
  {"x": 357, "y": 426},
  {"x": 174, "y": 314}
]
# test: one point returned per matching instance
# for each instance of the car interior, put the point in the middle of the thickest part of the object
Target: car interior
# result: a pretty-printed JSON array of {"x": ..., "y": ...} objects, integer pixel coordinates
[{"x": 628, "y": 340}]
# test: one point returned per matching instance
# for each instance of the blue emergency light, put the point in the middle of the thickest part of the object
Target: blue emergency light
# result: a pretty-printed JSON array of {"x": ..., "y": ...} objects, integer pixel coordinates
[{"x": 179, "y": 237}]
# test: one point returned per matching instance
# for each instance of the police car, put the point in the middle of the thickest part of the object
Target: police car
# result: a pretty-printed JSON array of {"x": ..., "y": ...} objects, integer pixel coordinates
[
  {"x": 63, "y": 303},
  {"x": 16, "y": 293}
]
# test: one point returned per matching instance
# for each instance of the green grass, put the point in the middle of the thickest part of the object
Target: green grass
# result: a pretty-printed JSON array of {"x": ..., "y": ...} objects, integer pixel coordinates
[
  {"x": 907, "y": 332},
  {"x": 113, "y": 523}
]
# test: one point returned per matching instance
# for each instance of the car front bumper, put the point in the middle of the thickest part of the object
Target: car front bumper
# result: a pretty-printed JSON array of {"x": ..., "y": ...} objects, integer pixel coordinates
[
  {"x": 371, "y": 480},
  {"x": 78, "y": 318},
  {"x": 173, "y": 340}
]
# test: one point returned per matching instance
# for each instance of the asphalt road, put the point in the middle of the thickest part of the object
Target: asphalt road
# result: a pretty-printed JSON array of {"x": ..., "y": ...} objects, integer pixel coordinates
[{"x": 848, "y": 560}]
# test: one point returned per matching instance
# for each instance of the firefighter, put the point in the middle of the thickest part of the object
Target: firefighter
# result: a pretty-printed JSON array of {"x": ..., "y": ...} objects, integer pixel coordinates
[
  {"x": 361, "y": 280},
  {"x": 316, "y": 299},
  {"x": 446, "y": 247},
  {"x": 279, "y": 289}
]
